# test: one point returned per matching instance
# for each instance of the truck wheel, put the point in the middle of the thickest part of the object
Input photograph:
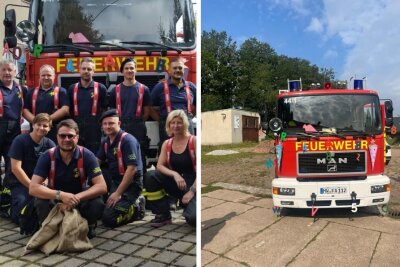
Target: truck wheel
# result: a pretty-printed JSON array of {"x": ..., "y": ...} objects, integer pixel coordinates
[{"x": 383, "y": 209}]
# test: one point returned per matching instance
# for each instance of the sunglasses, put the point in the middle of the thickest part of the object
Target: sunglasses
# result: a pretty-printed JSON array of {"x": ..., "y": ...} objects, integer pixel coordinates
[{"x": 66, "y": 136}]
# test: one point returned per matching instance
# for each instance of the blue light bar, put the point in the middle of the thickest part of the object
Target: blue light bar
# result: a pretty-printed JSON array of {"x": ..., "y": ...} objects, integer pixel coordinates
[
  {"x": 294, "y": 85},
  {"x": 358, "y": 84}
]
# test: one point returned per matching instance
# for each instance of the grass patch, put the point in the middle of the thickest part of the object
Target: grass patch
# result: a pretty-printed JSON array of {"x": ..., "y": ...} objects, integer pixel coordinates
[
  {"x": 205, "y": 149},
  {"x": 212, "y": 159},
  {"x": 209, "y": 188}
]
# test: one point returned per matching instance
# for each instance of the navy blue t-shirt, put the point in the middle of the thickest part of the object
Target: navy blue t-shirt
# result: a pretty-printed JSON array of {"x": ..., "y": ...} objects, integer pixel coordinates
[
  {"x": 129, "y": 99},
  {"x": 24, "y": 149},
  {"x": 178, "y": 97},
  {"x": 45, "y": 100},
  {"x": 130, "y": 150},
  {"x": 85, "y": 100},
  {"x": 67, "y": 177},
  {"x": 12, "y": 101}
]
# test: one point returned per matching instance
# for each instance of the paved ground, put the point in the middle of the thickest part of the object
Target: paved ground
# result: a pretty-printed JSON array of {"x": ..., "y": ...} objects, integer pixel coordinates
[
  {"x": 136, "y": 244},
  {"x": 240, "y": 229}
]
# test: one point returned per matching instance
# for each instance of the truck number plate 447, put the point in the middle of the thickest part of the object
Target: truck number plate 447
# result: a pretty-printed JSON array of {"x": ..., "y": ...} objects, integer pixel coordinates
[{"x": 333, "y": 190}]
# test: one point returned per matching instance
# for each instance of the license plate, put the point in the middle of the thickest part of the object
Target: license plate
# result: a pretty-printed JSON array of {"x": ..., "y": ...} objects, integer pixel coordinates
[{"x": 333, "y": 190}]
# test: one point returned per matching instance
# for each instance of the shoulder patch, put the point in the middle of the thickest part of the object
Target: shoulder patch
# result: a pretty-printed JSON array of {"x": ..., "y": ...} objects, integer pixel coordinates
[
  {"x": 132, "y": 156},
  {"x": 96, "y": 170}
]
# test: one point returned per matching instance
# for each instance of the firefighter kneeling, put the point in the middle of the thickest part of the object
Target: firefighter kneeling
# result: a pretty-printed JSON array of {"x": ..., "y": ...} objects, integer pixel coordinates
[{"x": 121, "y": 152}]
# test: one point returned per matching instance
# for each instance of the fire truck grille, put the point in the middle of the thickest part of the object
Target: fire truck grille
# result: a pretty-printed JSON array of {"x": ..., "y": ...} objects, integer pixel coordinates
[
  {"x": 322, "y": 163},
  {"x": 150, "y": 80}
]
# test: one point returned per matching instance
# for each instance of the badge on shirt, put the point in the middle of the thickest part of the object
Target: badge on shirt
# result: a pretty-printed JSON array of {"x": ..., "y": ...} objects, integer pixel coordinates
[
  {"x": 76, "y": 173},
  {"x": 132, "y": 156},
  {"x": 96, "y": 170}
]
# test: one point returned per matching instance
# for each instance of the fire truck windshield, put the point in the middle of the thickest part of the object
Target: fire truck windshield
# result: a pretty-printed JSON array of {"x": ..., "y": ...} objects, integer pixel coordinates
[
  {"x": 344, "y": 112},
  {"x": 169, "y": 23}
]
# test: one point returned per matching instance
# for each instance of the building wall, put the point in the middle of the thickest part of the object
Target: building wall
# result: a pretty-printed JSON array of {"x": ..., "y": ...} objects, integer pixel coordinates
[
  {"x": 21, "y": 14},
  {"x": 223, "y": 126}
]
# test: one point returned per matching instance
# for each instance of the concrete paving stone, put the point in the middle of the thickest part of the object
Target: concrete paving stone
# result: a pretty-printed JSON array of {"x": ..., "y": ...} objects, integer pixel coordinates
[
  {"x": 95, "y": 264},
  {"x": 160, "y": 243},
  {"x": 110, "y": 258},
  {"x": 156, "y": 232},
  {"x": 377, "y": 223},
  {"x": 228, "y": 195},
  {"x": 192, "y": 251},
  {"x": 221, "y": 213},
  {"x": 223, "y": 262},
  {"x": 189, "y": 238},
  {"x": 100, "y": 230},
  {"x": 170, "y": 227},
  {"x": 24, "y": 240},
  {"x": 11, "y": 226},
  {"x": 6, "y": 233},
  {"x": 110, "y": 245},
  {"x": 13, "y": 237},
  {"x": 351, "y": 250},
  {"x": 91, "y": 254},
  {"x": 109, "y": 234},
  {"x": 235, "y": 231},
  {"x": 2, "y": 242},
  {"x": 140, "y": 230},
  {"x": 125, "y": 237},
  {"x": 146, "y": 252},
  {"x": 4, "y": 259},
  {"x": 129, "y": 262},
  {"x": 186, "y": 261},
  {"x": 97, "y": 241},
  {"x": 208, "y": 202},
  {"x": 33, "y": 265},
  {"x": 9, "y": 246},
  {"x": 278, "y": 244},
  {"x": 180, "y": 246},
  {"x": 174, "y": 235},
  {"x": 142, "y": 239},
  {"x": 186, "y": 229},
  {"x": 72, "y": 262},
  {"x": 153, "y": 264},
  {"x": 34, "y": 256},
  {"x": 207, "y": 257},
  {"x": 262, "y": 202},
  {"x": 127, "y": 249},
  {"x": 387, "y": 251},
  {"x": 16, "y": 263},
  {"x": 125, "y": 228},
  {"x": 15, "y": 253},
  {"x": 52, "y": 260},
  {"x": 166, "y": 256}
]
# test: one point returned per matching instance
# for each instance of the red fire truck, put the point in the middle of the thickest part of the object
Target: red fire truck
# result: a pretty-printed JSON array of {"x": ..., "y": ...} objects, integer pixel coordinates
[
  {"x": 330, "y": 148},
  {"x": 62, "y": 32}
]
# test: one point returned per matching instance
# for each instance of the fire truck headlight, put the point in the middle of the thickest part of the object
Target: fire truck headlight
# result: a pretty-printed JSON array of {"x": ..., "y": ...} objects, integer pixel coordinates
[
  {"x": 284, "y": 191},
  {"x": 380, "y": 188}
]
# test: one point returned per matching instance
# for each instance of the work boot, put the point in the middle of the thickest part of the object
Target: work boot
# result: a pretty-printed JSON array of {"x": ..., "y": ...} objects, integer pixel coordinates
[
  {"x": 92, "y": 231},
  {"x": 140, "y": 206},
  {"x": 160, "y": 220}
]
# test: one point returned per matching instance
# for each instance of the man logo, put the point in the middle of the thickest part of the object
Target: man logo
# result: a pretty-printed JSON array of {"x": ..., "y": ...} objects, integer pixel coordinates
[
  {"x": 332, "y": 161},
  {"x": 332, "y": 168}
]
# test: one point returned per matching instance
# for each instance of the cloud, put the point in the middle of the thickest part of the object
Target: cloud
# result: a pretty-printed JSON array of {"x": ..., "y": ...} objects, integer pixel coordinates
[
  {"x": 315, "y": 26},
  {"x": 330, "y": 54}
]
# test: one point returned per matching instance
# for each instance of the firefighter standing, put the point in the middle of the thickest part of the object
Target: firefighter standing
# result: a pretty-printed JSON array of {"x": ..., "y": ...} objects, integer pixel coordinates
[
  {"x": 121, "y": 151},
  {"x": 88, "y": 100},
  {"x": 24, "y": 153},
  {"x": 132, "y": 101},
  {"x": 11, "y": 105},
  {"x": 74, "y": 178},
  {"x": 174, "y": 93},
  {"x": 47, "y": 98}
]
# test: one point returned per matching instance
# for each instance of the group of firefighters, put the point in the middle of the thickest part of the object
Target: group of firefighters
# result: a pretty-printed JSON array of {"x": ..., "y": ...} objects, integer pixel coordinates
[{"x": 87, "y": 147}]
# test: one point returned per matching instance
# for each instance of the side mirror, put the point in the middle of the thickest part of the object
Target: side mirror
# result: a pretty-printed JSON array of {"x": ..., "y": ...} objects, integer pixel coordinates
[
  {"x": 275, "y": 124},
  {"x": 9, "y": 28},
  {"x": 389, "y": 113},
  {"x": 26, "y": 31}
]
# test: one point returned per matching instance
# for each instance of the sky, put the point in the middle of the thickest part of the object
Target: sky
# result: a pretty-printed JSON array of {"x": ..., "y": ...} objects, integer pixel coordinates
[{"x": 357, "y": 38}]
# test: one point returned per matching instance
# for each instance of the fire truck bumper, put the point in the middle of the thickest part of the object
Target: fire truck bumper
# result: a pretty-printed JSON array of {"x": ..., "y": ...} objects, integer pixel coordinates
[{"x": 291, "y": 193}]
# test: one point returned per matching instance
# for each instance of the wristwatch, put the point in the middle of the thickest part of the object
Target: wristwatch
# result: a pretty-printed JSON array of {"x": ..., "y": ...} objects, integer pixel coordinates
[
  {"x": 193, "y": 189},
  {"x": 58, "y": 195}
]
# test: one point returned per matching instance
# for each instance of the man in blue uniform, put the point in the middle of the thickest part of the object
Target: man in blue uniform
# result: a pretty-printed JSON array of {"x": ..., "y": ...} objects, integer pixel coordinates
[
  {"x": 174, "y": 93},
  {"x": 88, "y": 100},
  {"x": 132, "y": 101},
  {"x": 11, "y": 105},
  {"x": 121, "y": 152},
  {"x": 74, "y": 178},
  {"x": 24, "y": 153},
  {"x": 47, "y": 98}
]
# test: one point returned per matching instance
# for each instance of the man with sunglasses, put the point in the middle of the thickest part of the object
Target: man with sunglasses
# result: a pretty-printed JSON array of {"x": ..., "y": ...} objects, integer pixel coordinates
[
  {"x": 74, "y": 178},
  {"x": 88, "y": 100},
  {"x": 24, "y": 154}
]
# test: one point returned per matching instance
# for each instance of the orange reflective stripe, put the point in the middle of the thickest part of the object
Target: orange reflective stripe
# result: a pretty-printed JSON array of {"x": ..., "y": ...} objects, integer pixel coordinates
[
  {"x": 121, "y": 167},
  {"x": 34, "y": 99},
  {"x": 56, "y": 97},
  {"x": 167, "y": 97},
  {"x": 95, "y": 98},
  {"x": 188, "y": 97},
  {"x": 52, "y": 173},
  {"x": 75, "y": 99},
  {"x": 118, "y": 99},
  {"x": 140, "y": 101}
]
